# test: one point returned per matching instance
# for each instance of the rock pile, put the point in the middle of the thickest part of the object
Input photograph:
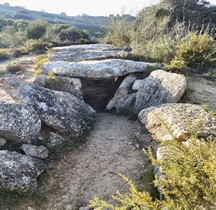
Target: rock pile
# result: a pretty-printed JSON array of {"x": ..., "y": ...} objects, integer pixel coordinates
[{"x": 85, "y": 77}]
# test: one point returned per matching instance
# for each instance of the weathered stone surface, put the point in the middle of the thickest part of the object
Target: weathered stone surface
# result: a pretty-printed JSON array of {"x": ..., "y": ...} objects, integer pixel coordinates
[
  {"x": 86, "y": 52},
  {"x": 122, "y": 95},
  {"x": 19, "y": 123},
  {"x": 35, "y": 151},
  {"x": 19, "y": 172},
  {"x": 55, "y": 140},
  {"x": 65, "y": 84},
  {"x": 2, "y": 142},
  {"x": 159, "y": 88},
  {"x": 201, "y": 91},
  {"x": 137, "y": 84},
  {"x": 110, "y": 68},
  {"x": 178, "y": 119},
  {"x": 125, "y": 103},
  {"x": 60, "y": 110}
]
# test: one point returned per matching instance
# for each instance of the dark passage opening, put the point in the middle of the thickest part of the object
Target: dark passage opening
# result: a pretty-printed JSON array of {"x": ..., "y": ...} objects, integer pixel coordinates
[{"x": 98, "y": 92}]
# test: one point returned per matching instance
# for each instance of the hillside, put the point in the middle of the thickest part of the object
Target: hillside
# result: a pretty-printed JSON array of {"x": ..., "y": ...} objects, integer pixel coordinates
[{"x": 91, "y": 23}]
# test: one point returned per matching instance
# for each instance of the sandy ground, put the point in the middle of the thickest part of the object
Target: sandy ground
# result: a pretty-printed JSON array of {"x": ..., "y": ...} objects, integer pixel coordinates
[{"x": 89, "y": 171}]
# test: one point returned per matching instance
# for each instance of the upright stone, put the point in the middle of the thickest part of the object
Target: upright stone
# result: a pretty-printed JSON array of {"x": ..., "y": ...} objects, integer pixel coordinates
[{"x": 159, "y": 88}]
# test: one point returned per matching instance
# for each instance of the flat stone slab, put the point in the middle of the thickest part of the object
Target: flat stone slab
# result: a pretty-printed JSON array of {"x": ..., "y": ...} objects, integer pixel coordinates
[
  {"x": 110, "y": 68},
  {"x": 86, "y": 52}
]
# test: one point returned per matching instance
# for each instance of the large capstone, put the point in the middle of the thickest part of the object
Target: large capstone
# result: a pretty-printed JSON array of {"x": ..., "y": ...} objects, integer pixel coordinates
[
  {"x": 19, "y": 123},
  {"x": 60, "y": 110},
  {"x": 87, "y": 52},
  {"x": 99, "y": 69},
  {"x": 19, "y": 172},
  {"x": 159, "y": 88},
  {"x": 170, "y": 121}
]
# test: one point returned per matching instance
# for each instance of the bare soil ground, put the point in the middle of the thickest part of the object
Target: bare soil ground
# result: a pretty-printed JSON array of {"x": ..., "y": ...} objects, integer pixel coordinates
[{"x": 92, "y": 169}]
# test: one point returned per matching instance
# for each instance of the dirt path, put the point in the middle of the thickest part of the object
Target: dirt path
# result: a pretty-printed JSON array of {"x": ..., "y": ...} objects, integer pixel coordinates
[{"x": 89, "y": 170}]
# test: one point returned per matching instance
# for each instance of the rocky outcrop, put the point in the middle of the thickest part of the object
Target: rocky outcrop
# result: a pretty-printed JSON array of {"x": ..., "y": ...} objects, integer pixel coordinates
[
  {"x": 87, "y": 52},
  {"x": 65, "y": 84},
  {"x": 55, "y": 140},
  {"x": 19, "y": 172},
  {"x": 19, "y": 123},
  {"x": 201, "y": 91},
  {"x": 98, "y": 69},
  {"x": 171, "y": 121},
  {"x": 60, "y": 110},
  {"x": 35, "y": 151},
  {"x": 159, "y": 88},
  {"x": 122, "y": 99}
]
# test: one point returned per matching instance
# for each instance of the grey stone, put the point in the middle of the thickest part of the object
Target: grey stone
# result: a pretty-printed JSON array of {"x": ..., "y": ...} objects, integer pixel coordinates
[
  {"x": 159, "y": 88},
  {"x": 19, "y": 123},
  {"x": 55, "y": 140},
  {"x": 121, "y": 99},
  {"x": 201, "y": 91},
  {"x": 60, "y": 110},
  {"x": 19, "y": 172},
  {"x": 110, "y": 68},
  {"x": 137, "y": 84},
  {"x": 35, "y": 151},
  {"x": 2, "y": 142},
  {"x": 171, "y": 121},
  {"x": 86, "y": 52},
  {"x": 65, "y": 84},
  {"x": 84, "y": 208},
  {"x": 124, "y": 103}
]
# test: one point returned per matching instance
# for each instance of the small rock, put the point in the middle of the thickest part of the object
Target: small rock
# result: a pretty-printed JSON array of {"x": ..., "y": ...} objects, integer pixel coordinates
[
  {"x": 137, "y": 146},
  {"x": 129, "y": 143},
  {"x": 30, "y": 208},
  {"x": 55, "y": 140},
  {"x": 2, "y": 142},
  {"x": 35, "y": 151},
  {"x": 84, "y": 208},
  {"x": 137, "y": 84}
]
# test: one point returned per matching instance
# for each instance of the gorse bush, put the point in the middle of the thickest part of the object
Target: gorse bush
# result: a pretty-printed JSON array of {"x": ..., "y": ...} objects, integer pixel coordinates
[
  {"x": 189, "y": 181},
  {"x": 4, "y": 54},
  {"x": 194, "y": 50}
]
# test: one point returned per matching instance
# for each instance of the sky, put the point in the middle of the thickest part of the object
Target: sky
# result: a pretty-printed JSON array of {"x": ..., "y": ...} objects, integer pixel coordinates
[{"x": 89, "y": 7}]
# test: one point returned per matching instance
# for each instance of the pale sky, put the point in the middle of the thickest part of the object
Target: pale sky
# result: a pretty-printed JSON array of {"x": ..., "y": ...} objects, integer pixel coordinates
[{"x": 89, "y": 7}]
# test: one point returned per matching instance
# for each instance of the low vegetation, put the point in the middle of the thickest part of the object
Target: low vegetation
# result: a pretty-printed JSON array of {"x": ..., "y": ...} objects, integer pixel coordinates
[
  {"x": 172, "y": 33},
  {"x": 21, "y": 37},
  {"x": 188, "y": 180}
]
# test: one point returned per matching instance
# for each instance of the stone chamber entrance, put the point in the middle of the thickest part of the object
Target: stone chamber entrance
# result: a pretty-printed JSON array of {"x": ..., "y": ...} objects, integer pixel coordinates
[{"x": 98, "y": 92}]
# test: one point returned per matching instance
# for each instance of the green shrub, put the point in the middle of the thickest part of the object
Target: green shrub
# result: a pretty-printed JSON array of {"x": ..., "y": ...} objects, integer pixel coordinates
[
  {"x": 193, "y": 51},
  {"x": 119, "y": 32},
  {"x": 72, "y": 35},
  {"x": 5, "y": 54},
  {"x": 190, "y": 180},
  {"x": 13, "y": 68},
  {"x": 39, "y": 61},
  {"x": 36, "y": 29}
]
